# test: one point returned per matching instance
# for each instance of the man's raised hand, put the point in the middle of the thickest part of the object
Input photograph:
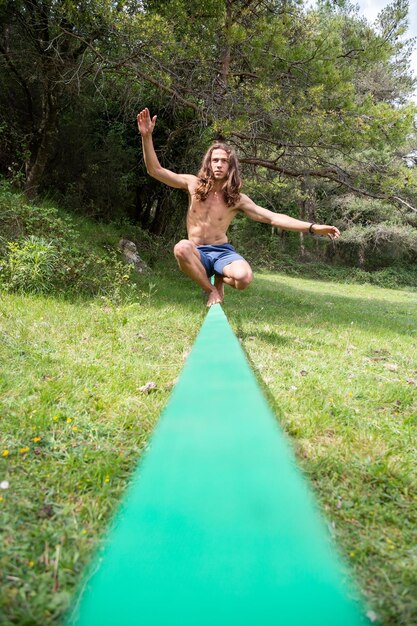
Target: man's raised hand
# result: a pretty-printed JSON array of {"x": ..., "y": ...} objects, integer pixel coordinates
[{"x": 145, "y": 123}]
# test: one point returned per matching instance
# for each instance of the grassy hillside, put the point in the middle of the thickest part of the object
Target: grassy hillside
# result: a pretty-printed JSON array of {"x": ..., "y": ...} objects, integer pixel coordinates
[{"x": 336, "y": 361}]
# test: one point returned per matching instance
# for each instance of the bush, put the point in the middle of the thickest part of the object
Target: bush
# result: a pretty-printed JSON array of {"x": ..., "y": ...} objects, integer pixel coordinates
[
  {"x": 378, "y": 245},
  {"x": 19, "y": 221},
  {"x": 94, "y": 274},
  {"x": 351, "y": 210},
  {"x": 30, "y": 265},
  {"x": 42, "y": 251}
]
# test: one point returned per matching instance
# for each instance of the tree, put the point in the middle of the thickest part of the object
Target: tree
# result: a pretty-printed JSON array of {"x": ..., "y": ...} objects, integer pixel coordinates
[
  {"x": 315, "y": 93},
  {"x": 49, "y": 49},
  {"x": 309, "y": 94}
]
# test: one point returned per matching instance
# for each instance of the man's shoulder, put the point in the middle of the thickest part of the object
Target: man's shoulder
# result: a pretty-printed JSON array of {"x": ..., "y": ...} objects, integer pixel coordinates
[
  {"x": 192, "y": 182},
  {"x": 242, "y": 202}
]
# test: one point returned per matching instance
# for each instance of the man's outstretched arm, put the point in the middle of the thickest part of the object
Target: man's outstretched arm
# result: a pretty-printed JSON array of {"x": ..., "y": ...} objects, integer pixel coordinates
[
  {"x": 279, "y": 220},
  {"x": 146, "y": 124}
]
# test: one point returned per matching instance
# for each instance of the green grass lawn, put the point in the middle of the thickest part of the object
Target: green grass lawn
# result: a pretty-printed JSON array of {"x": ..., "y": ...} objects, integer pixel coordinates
[{"x": 336, "y": 361}]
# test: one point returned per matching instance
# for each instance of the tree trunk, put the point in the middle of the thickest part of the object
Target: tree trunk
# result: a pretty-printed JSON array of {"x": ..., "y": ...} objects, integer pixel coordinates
[
  {"x": 145, "y": 198},
  {"x": 302, "y": 206},
  {"x": 42, "y": 146},
  {"x": 162, "y": 210},
  {"x": 223, "y": 77},
  {"x": 361, "y": 256}
]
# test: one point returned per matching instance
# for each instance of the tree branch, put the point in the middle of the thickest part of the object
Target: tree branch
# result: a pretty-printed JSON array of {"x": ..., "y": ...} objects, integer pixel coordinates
[
  {"x": 329, "y": 174},
  {"x": 125, "y": 63},
  {"x": 404, "y": 203}
]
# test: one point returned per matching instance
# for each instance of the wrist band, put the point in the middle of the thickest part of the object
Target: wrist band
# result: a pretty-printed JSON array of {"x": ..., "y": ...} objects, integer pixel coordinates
[{"x": 310, "y": 230}]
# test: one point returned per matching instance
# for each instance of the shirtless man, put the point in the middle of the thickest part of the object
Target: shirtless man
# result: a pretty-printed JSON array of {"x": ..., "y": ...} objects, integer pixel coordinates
[{"x": 214, "y": 200}]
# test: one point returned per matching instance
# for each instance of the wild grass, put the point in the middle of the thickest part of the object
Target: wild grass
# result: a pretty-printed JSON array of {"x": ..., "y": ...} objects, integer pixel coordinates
[
  {"x": 338, "y": 364},
  {"x": 73, "y": 422},
  {"x": 336, "y": 361}
]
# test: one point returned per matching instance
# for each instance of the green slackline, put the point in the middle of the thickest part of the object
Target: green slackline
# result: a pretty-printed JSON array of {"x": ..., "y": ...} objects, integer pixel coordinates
[{"x": 218, "y": 527}]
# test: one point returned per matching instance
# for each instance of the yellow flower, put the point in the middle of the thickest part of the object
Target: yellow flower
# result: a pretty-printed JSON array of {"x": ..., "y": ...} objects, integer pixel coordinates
[
  {"x": 55, "y": 418},
  {"x": 31, "y": 563},
  {"x": 24, "y": 450},
  {"x": 37, "y": 439},
  {"x": 69, "y": 420},
  {"x": 5, "y": 454},
  {"x": 107, "y": 479},
  {"x": 74, "y": 428}
]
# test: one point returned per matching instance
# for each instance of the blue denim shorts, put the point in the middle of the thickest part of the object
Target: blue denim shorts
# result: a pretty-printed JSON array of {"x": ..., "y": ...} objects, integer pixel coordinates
[{"x": 216, "y": 257}]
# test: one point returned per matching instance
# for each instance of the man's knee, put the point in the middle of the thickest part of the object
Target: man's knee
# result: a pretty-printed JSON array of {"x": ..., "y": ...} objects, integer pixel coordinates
[
  {"x": 183, "y": 250},
  {"x": 239, "y": 274},
  {"x": 244, "y": 280}
]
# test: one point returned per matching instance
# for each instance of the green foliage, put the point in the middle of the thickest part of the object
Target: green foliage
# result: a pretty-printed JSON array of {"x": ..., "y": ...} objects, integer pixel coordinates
[
  {"x": 31, "y": 265},
  {"x": 378, "y": 245},
  {"x": 315, "y": 90},
  {"x": 95, "y": 273},
  {"x": 260, "y": 245},
  {"x": 98, "y": 180},
  {"x": 305, "y": 94},
  {"x": 18, "y": 218},
  {"x": 45, "y": 251},
  {"x": 353, "y": 210},
  {"x": 393, "y": 277}
]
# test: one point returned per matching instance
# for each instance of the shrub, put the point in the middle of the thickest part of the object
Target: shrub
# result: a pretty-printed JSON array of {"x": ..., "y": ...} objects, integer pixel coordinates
[
  {"x": 18, "y": 219},
  {"x": 378, "y": 245},
  {"x": 43, "y": 251},
  {"x": 350, "y": 210},
  {"x": 30, "y": 265},
  {"x": 94, "y": 274}
]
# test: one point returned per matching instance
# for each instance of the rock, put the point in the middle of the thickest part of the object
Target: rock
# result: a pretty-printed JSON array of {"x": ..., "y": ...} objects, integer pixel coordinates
[
  {"x": 130, "y": 255},
  {"x": 150, "y": 386}
]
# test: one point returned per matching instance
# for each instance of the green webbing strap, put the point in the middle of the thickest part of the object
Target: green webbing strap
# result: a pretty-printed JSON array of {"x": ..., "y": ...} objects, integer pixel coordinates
[{"x": 218, "y": 527}]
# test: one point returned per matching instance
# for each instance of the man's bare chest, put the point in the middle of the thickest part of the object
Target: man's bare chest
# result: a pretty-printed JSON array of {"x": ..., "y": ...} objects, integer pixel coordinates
[{"x": 212, "y": 210}]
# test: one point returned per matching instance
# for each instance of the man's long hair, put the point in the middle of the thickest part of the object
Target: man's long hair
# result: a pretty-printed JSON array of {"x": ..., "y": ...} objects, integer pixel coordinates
[{"x": 231, "y": 187}]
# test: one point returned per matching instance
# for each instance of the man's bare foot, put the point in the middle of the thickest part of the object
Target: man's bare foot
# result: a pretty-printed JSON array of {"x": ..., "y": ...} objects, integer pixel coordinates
[
  {"x": 219, "y": 284},
  {"x": 213, "y": 298}
]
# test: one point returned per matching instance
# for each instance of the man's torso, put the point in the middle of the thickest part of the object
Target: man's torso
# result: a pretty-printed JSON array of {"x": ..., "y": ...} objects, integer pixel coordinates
[{"x": 208, "y": 220}]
